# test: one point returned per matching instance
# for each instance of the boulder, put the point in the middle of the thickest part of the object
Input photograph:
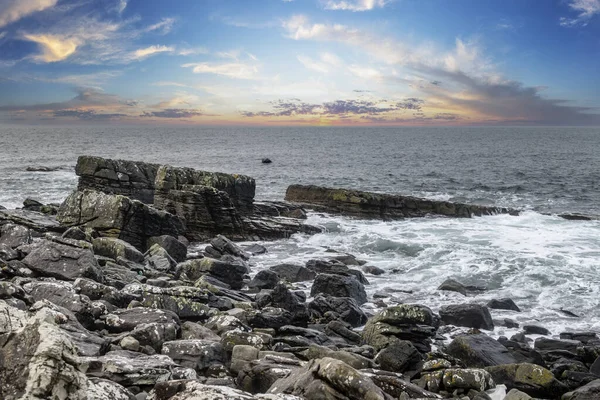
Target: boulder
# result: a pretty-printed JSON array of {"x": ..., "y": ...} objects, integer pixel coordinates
[
  {"x": 326, "y": 308},
  {"x": 118, "y": 217},
  {"x": 48, "y": 258},
  {"x": 36, "y": 221},
  {"x": 339, "y": 286},
  {"x": 194, "y": 353},
  {"x": 152, "y": 334},
  {"x": 226, "y": 246},
  {"x": 193, "y": 389},
  {"x": 185, "y": 301},
  {"x": 231, "y": 272},
  {"x": 269, "y": 317},
  {"x": 453, "y": 286},
  {"x": 257, "y": 376},
  {"x": 282, "y": 297},
  {"x": 400, "y": 356},
  {"x": 116, "y": 248},
  {"x": 159, "y": 259},
  {"x": 479, "y": 350},
  {"x": 130, "y": 319},
  {"x": 336, "y": 267},
  {"x": 97, "y": 291},
  {"x": 176, "y": 249},
  {"x": 230, "y": 339},
  {"x": 371, "y": 269},
  {"x": 264, "y": 279},
  {"x": 327, "y": 378},
  {"x": 591, "y": 391},
  {"x": 293, "y": 272},
  {"x": 535, "y": 330},
  {"x": 532, "y": 379},
  {"x": 515, "y": 394},
  {"x": 102, "y": 389},
  {"x": 356, "y": 361},
  {"x": 13, "y": 235},
  {"x": 381, "y": 206},
  {"x": 503, "y": 304},
  {"x": 469, "y": 315}
]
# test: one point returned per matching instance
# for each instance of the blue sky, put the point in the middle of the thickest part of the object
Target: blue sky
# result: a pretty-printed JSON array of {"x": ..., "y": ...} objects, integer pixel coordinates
[{"x": 315, "y": 62}]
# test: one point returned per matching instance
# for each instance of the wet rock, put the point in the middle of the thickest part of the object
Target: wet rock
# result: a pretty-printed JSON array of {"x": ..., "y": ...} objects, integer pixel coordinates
[
  {"x": 453, "y": 286},
  {"x": 255, "y": 249},
  {"x": 411, "y": 322},
  {"x": 546, "y": 344},
  {"x": 326, "y": 308},
  {"x": 333, "y": 266},
  {"x": 400, "y": 356},
  {"x": 118, "y": 217},
  {"x": 532, "y": 379},
  {"x": 14, "y": 236},
  {"x": 371, "y": 269},
  {"x": 503, "y": 304},
  {"x": 231, "y": 272},
  {"x": 339, "y": 286},
  {"x": 510, "y": 323},
  {"x": 340, "y": 329},
  {"x": 226, "y": 246},
  {"x": 327, "y": 378},
  {"x": 266, "y": 161},
  {"x": 479, "y": 350},
  {"x": 293, "y": 272},
  {"x": 176, "y": 249},
  {"x": 591, "y": 391},
  {"x": 535, "y": 330},
  {"x": 61, "y": 261},
  {"x": 469, "y": 315},
  {"x": 34, "y": 205},
  {"x": 264, "y": 279},
  {"x": 128, "y": 320},
  {"x": 194, "y": 353}
]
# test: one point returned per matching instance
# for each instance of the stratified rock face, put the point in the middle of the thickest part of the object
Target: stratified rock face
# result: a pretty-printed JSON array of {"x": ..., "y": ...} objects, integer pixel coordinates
[
  {"x": 381, "y": 206},
  {"x": 118, "y": 217}
]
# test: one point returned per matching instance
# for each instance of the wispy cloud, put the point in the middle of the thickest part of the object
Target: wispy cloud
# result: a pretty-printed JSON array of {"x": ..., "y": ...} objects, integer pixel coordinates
[
  {"x": 193, "y": 51},
  {"x": 121, "y": 6},
  {"x": 14, "y": 10},
  {"x": 2, "y": 35},
  {"x": 140, "y": 54},
  {"x": 173, "y": 113},
  {"x": 237, "y": 70},
  {"x": 354, "y": 5},
  {"x": 53, "y": 48},
  {"x": 587, "y": 9},
  {"x": 164, "y": 26},
  {"x": 87, "y": 115}
]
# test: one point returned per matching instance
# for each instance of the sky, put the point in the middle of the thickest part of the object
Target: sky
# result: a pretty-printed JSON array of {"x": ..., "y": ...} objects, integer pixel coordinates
[{"x": 300, "y": 62}]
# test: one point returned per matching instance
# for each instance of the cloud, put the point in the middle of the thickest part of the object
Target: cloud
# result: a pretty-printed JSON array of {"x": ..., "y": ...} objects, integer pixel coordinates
[
  {"x": 328, "y": 62},
  {"x": 14, "y": 10},
  {"x": 120, "y": 6},
  {"x": 173, "y": 113},
  {"x": 87, "y": 115},
  {"x": 192, "y": 51},
  {"x": 586, "y": 9},
  {"x": 237, "y": 70},
  {"x": 53, "y": 48},
  {"x": 164, "y": 26},
  {"x": 2, "y": 35},
  {"x": 150, "y": 51},
  {"x": 354, "y": 5}
]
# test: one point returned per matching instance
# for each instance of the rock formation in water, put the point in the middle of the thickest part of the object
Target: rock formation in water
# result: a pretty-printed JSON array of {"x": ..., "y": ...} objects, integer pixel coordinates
[{"x": 382, "y": 206}]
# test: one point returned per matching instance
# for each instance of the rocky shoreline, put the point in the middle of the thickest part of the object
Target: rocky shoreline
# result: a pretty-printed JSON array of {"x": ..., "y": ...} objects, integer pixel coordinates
[{"x": 100, "y": 298}]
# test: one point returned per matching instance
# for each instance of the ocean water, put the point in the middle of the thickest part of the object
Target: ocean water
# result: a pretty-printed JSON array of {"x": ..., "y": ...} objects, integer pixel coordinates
[{"x": 544, "y": 263}]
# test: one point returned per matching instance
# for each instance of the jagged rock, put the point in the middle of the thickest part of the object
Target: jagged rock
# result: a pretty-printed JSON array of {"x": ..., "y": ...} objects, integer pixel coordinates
[
  {"x": 176, "y": 249},
  {"x": 591, "y": 391},
  {"x": 224, "y": 323},
  {"x": 229, "y": 271},
  {"x": 128, "y": 320},
  {"x": 453, "y": 286},
  {"x": 293, "y": 272},
  {"x": 411, "y": 322},
  {"x": 194, "y": 353},
  {"x": 546, "y": 344},
  {"x": 327, "y": 378},
  {"x": 532, "y": 379},
  {"x": 339, "y": 286},
  {"x": 152, "y": 334},
  {"x": 7, "y": 253},
  {"x": 282, "y": 297},
  {"x": 269, "y": 317},
  {"x": 76, "y": 233},
  {"x": 255, "y": 249},
  {"x": 226, "y": 246},
  {"x": 535, "y": 330},
  {"x": 381, "y": 206},
  {"x": 264, "y": 279},
  {"x": 400, "y": 356},
  {"x": 371, "y": 269},
  {"x": 34, "y": 220},
  {"x": 326, "y": 308},
  {"x": 98, "y": 291},
  {"x": 119, "y": 276},
  {"x": 63, "y": 262},
  {"x": 469, "y": 315},
  {"x": 230, "y": 339},
  {"x": 116, "y": 248},
  {"x": 192, "y": 389},
  {"x": 336, "y": 267},
  {"x": 192, "y": 330},
  {"x": 479, "y": 351},
  {"x": 301, "y": 337},
  {"x": 186, "y": 301},
  {"x": 503, "y": 304},
  {"x": 394, "y": 385},
  {"x": 159, "y": 259},
  {"x": 356, "y": 361},
  {"x": 129, "y": 368},
  {"x": 118, "y": 217},
  {"x": 257, "y": 376},
  {"x": 34, "y": 205},
  {"x": 14, "y": 236},
  {"x": 102, "y": 389},
  {"x": 340, "y": 329}
]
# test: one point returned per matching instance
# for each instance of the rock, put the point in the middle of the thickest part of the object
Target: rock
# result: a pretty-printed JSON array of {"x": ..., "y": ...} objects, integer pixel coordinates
[
  {"x": 269, "y": 317},
  {"x": 546, "y": 344},
  {"x": 241, "y": 355},
  {"x": 153, "y": 334},
  {"x": 400, "y": 356},
  {"x": 194, "y": 390},
  {"x": 34, "y": 205},
  {"x": 118, "y": 217},
  {"x": 411, "y": 322},
  {"x": 479, "y": 350},
  {"x": 194, "y": 353},
  {"x": 97, "y": 291},
  {"x": 63, "y": 262},
  {"x": 535, "y": 330},
  {"x": 371, "y": 269},
  {"x": 335, "y": 267},
  {"x": 224, "y": 323},
  {"x": 102, "y": 389},
  {"x": 230, "y": 339},
  {"x": 356, "y": 361},
  {"x": 41, "y": 168},
  {"x": 328, "y": 308},
  {"x": 185, "y": 301},
  {"x": 116, "y": 248},
  {"x": 591, "y": 391},
  {"x": 226, "y": 246},
  {"x": 34, "y": 220},
  {"x": 503, "y": 304},
  {"x": 340, "y": 329},
  {"x": 467, "y": 379},
  {"x": 158, "y": 258},
  {"x": 469, "y": 315},
  {"x": 257, "y": 376},
  {"x": 76, "y": 233},
  {"x": 515, "y": 394},
  {"x": 394, "y": 385},
  {"x": 532, "y": 379},
  {"x": 129, "y": 343},
  {"x": 339, "y": 286},
  {"x": 282, "y": 297},
  {"x": 293, "y": 272},
  {"x": 453, "y": 286},
  {"x": 381, "y": 206},
  {"x": 264, "y": 279},
  {"x": 266, "y": 161},
  {"x": 231, "y": 272},
  {"x": 255, "y": 249},
  {"x": 13, "y": 236},
  {"x": 128, "y": 320},
  {"x": 176, "y": 249},
  {"x": 192, "y": 330},
  {"x": 510, "y": 323},
  {"x": 327, "y": 378}
]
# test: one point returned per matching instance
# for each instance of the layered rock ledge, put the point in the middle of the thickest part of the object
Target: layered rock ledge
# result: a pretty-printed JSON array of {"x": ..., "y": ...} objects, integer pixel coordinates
[{"x": 357, "y": 203}]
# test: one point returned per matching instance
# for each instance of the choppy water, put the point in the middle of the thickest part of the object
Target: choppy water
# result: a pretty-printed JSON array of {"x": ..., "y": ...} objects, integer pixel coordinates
[{"x": 543, "y": 262}]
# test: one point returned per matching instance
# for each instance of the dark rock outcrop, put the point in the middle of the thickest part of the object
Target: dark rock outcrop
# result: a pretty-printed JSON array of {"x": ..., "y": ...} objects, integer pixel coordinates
[
  {"x": 339, "y": 286},
  {"x": 479, "y": 351},
  {"x": 381, "y": 206},
  {"x": 469, "y": 315}
]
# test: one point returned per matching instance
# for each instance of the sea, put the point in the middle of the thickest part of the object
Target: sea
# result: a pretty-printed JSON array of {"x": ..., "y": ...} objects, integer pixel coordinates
[{"x": 548, "y": 265}]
